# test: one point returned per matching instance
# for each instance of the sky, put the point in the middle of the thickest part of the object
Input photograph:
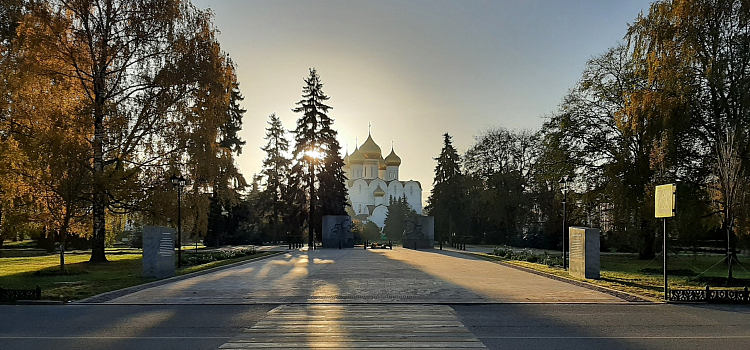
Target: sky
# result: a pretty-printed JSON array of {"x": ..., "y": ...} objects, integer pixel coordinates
[{"x": 413, "y": 69}]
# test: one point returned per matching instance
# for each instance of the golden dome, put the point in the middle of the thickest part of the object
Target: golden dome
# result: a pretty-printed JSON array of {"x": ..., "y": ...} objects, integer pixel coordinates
[
  {"x": 381, "y": 163},
  {"x": 356, "y": 158},
  {"x": 392, "y": 159},
  {"x": 379, "y": 192},
  {"x": 369, "y": 149}
]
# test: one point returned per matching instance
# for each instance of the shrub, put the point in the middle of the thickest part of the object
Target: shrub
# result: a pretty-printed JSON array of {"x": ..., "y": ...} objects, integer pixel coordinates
[
  {"x": 526, "y": 255},
  {"x": 220, "y": 254}
]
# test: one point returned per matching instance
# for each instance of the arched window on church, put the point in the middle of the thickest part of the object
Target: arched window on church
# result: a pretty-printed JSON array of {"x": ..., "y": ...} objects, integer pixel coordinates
[
  {"x": 360, "y": 188},
  {"x": 360, "y": 209},
  {"x": 411, "y": 190}
]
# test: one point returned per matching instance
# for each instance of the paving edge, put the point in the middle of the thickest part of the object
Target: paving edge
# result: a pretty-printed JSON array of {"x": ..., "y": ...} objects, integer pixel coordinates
[
  {"x": 107, "y": 296},
  {"x": 34, "y": 302},
  {"x": 629, "y": 297},
  {"x": 376, "y": 302}
]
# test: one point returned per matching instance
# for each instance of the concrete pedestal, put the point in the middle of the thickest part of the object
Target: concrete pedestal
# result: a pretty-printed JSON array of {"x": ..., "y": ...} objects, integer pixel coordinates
[
  {"x": 419, "y": 233},
  {"x": 158, "y": 252},
  {"x": 337, "y": 231},
  {"x": 584, "y": 252}
]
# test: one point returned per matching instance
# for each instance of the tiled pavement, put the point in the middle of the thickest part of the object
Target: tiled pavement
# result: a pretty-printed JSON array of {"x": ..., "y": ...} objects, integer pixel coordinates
[
  {"x": 366, "y": 276},
  {"x": 357, "y": 299}
]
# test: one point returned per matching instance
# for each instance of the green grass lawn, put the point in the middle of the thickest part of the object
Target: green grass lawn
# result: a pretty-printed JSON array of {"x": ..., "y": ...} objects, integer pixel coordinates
[
  {"x": 627, "y": 273},
  {"x": 685, "y": 271},
  {"x": 83, "y": 279}
]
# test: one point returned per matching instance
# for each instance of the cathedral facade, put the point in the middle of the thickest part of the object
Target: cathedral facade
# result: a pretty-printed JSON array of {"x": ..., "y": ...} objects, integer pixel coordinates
[{"x": 374, "y": 180}]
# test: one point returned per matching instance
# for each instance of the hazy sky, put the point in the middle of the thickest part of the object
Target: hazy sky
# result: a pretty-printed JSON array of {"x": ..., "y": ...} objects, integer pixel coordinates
[{"x": 414, "y": 69}]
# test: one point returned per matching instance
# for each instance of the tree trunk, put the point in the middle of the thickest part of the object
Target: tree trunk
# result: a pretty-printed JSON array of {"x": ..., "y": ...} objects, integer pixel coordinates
[
  {"x": 730, "y": 251},
  {"x": 311, "y": 219},
  {"x": 99, "y": 200},
  {"x": 647, "y": 251},
  {"x": 63, "y": 236},
  {"x": 2, "y": 236}
]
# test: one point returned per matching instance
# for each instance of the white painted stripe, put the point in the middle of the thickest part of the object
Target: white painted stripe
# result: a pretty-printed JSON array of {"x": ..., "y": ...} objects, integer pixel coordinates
[{"x": 357, "y": 326}]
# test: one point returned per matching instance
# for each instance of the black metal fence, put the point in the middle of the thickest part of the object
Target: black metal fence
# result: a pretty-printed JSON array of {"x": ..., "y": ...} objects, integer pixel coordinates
[
  {"x": 709, "y": 295},
  {"x": 13, "y": 295}
]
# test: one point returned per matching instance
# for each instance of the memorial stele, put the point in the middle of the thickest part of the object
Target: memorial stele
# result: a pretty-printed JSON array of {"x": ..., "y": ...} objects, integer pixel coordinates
[
  {"x": 158, "y": 252},
  {"x": 374, "y": 180},
  {"x": 584, "y": 252},
  {"x": 337, "y": 231}
]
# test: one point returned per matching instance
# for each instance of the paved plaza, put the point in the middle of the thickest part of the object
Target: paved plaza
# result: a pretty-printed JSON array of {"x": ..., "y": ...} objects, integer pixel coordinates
[
  {"x": 360, "y": 299},
  {"x": 367, "y": 276}
]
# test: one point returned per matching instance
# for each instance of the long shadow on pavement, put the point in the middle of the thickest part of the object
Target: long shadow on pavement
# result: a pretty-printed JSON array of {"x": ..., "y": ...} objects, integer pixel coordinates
[{"x": 394, "y": 277}]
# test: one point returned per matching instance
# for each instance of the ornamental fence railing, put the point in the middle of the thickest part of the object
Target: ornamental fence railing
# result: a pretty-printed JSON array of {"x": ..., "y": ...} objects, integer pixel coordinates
[
  {"x": 13, "y": 295},
  {"x": 708, "y": 295}
]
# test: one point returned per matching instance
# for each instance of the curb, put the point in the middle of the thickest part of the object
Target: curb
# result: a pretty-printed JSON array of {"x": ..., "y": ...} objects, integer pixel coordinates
[
  {"x": 629, "y": 297},
  {"x": 107, "y": 296},
  {"x": 34, "y": 302},
  {"x": 38, "y": 302}
]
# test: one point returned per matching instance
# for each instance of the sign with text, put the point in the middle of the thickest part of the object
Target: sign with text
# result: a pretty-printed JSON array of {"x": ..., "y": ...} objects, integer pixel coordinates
[
  {"x": 158, "y": 252},
  {"x": 665, "y": 198},
  {"x": 584, "y": 252}
]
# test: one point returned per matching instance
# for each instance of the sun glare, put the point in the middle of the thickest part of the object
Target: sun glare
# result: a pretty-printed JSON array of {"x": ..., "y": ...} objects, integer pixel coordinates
[{"x": 314, "y": 153}]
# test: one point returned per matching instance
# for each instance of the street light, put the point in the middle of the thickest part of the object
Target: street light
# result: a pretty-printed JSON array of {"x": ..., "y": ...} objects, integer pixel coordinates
[
  {"x": 564, "y": 187},
  {"x": 179, "y": 183}
]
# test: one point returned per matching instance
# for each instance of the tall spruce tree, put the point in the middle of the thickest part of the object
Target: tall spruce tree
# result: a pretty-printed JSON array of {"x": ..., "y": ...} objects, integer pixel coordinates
[
  {"x": 276, "y": 168},
  {"x": 445, "y": 202},
  {"x": 296, "y": 208},
  {"x": 332, "y": 179},
  {"x": 316, "y": 145}
]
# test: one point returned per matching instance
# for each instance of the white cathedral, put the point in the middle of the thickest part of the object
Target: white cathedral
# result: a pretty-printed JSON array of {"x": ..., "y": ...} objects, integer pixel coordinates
[{"x": 373, "y": 181}]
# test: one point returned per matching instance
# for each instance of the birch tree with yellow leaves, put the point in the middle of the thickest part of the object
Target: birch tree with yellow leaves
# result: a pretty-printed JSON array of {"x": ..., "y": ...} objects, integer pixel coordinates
[{"x": 148, "y": 93}]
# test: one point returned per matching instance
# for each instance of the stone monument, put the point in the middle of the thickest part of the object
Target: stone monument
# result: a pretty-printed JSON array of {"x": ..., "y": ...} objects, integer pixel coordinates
[
  {"x": 158, "y": 252},
  {"x": 337, "y": 231},
  {"x": 584, "y": 252},
  {"x": 419, "y": 233}
]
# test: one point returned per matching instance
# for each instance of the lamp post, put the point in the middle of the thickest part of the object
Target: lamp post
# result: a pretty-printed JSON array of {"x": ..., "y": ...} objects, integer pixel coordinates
[
  {"x": 179, "y": 183},
  {"x": 564, "y": 187}
]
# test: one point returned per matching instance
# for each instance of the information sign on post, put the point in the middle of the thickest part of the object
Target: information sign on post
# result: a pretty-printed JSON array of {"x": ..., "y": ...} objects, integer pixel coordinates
[
  {"x": 665, "y": 198},
  {"x": 664, "y": 208}
]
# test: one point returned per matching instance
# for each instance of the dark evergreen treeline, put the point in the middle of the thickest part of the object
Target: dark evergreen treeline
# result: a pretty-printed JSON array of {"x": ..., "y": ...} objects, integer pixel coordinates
[{"x": 300, "y": 177}]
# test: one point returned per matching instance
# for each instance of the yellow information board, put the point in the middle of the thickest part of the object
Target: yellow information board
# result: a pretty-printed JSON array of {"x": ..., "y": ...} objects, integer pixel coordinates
[{"x": 665, "y": 198}]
